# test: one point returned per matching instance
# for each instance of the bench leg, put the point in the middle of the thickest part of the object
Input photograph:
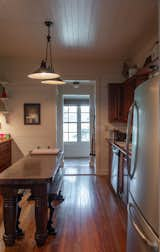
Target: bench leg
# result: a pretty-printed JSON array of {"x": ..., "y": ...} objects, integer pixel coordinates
[{"x": 60, "y": 196}]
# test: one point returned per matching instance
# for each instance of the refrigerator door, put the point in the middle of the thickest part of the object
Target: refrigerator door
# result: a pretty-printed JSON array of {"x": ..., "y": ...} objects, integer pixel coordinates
[
  {"x": 144, "y": 173},
  {"x": 140, "y": 237}
]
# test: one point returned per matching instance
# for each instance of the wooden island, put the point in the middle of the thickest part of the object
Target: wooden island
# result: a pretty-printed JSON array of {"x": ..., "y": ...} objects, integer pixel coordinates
[{"x": 36, "y": 173}]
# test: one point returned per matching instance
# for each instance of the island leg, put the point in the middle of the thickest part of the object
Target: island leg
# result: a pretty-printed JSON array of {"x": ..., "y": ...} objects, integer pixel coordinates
[
  {"x": 19, "y": 231},
  {"x": 41, "y": 212},
  {"x": 51, "y": 230},
  {"x": 9, "y": 214}
]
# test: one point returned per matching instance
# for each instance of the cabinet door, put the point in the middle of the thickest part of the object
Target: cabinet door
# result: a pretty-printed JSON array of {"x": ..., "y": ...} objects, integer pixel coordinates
[
  {"x": 115, "y": 102},
  {"x": 128, "y": 93},
  {"x": 128, "y": 98}
]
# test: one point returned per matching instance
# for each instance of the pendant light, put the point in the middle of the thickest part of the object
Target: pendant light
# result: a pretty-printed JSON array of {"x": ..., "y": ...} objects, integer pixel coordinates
[
  {"x": 46, "y": 70},
  {"x": 57, "y": 81}
]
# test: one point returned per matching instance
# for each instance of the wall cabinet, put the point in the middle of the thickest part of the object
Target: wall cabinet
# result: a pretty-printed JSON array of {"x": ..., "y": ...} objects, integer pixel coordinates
[
  {"x": 129, "y": 87},
  {"x": 121, "y": 97},
  {"x": 115, "y": 102},
  {"x": 128, "y": 98},
  {"x": 5, "y": 155}
]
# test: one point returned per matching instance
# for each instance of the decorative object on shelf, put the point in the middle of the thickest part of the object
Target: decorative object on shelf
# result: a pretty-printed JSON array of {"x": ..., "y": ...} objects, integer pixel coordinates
[
  {"x": 155, "y": 51},
  {"x": 32, "y": 113},
  {"x": 46, "y": 69},
  {"x": 3, "y": 95},
  {"x": 126, "y": 66},
  {"x": 151, "y": 64},
  {"x": 150, "y": 67},
  {"x": 148, "y": 60},
  {"x": 4, "y": 101},
  {"x": 5, "y": 136},
  {"x": 132, "y": 71},
  {"x": 57, "y": 81}
]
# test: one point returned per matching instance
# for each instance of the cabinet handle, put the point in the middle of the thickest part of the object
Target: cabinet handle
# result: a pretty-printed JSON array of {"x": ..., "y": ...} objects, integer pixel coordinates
[{"x": 129, "y": 131}]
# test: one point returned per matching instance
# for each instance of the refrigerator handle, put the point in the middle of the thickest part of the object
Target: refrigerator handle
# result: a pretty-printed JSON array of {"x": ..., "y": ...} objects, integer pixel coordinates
[
  {"x": 151, "y": 244},
  {"x": 128, "y": 136},
  {"x": 136, "y": 144},
  {"x": 129, "y": 133}
]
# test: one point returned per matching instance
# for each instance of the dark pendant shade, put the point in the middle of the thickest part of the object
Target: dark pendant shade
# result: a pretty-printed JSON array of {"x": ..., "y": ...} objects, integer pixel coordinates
[
  {"x": 43, "y": 73},
  {"x": 57, "y": 81},
  {"x": 46, "y": 69}
]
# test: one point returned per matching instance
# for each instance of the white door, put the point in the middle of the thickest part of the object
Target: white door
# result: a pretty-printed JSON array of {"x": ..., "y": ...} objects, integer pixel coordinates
[{"x": 76, "y": 129}]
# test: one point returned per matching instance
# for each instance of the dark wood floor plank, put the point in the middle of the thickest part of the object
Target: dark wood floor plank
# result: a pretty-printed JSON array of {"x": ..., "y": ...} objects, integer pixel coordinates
[{"x": 90, "y": 219}]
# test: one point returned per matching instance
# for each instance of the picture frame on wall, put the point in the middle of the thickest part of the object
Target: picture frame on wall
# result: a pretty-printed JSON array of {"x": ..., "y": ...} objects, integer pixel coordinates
[{"x": 32, "y": 113}]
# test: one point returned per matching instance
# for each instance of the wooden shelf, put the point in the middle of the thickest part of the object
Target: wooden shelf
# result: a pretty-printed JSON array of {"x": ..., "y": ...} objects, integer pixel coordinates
[
  {"x": 121, "y": 95},
  {"x": 4, "y": 98}
]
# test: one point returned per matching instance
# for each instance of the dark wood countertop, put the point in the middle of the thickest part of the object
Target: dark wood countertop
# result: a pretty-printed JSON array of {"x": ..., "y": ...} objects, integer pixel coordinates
[{"x": 35, "y": 168}]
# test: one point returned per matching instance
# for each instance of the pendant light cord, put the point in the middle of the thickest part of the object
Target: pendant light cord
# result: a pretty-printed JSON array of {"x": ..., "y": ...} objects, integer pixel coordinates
[
  {"x": 49, "y": 47},
  {"x": 50, "y": 51}
]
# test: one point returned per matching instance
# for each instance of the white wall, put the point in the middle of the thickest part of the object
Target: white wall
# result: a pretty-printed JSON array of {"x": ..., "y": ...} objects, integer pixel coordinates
[{"x": 27, "y": 137}]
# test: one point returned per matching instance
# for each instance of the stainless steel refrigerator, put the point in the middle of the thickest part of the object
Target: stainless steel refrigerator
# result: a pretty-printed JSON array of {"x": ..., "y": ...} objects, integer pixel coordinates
[{"x": 143, "y": 233}]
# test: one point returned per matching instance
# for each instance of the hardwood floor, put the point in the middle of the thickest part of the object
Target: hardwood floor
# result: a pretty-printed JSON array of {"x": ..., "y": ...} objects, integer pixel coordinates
[
  {"x": 89, "y": 220},
  {"x": 78, "y": 166}
]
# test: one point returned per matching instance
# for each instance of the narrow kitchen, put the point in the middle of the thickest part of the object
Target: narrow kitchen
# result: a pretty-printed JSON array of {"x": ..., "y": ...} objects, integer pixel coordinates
[{"x": 80, "y": 126}]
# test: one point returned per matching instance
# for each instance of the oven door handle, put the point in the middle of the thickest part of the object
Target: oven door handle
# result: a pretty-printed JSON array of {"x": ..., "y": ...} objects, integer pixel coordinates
[{"x": 153, "y": 245}]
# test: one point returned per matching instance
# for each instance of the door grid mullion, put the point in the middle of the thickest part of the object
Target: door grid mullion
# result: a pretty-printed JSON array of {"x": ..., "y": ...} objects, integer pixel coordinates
[{"x": 79, "y": 123}]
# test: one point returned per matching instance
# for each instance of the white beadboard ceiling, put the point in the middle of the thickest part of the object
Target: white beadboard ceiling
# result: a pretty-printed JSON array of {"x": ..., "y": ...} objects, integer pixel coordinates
[{"x": 83, "y": 29}]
